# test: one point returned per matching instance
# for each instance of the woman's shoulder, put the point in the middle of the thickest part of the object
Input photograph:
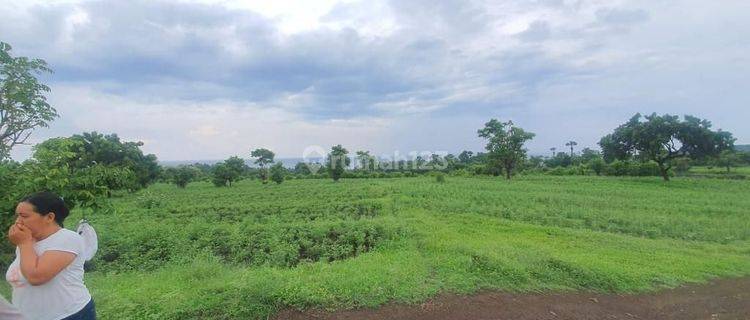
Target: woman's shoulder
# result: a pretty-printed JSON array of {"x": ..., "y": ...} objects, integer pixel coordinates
[
  {"x": 67, "y": 234},
  {"x": 64, "y": 239}
]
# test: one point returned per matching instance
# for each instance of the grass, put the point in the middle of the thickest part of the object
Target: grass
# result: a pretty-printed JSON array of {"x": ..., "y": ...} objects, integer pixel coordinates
[
  {"x": 743, "y": 170},
  {"x": 247, "y": 251}
]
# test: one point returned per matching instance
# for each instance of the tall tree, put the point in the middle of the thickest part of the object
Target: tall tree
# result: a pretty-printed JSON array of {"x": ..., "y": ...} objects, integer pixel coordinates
[
  {"x": 505, "y": 144},
  {"x": 366, "y": 161},
  {"x": 23, "y": 106},
  {"x": 465, "y": 156},
  {"x": 337, "y": 161},
  {"x": 553, "y": 149},
  {"x": 665, "y": 138},
  {"x": 571, "y": 144},
  {"x": 263, "y": 157}
]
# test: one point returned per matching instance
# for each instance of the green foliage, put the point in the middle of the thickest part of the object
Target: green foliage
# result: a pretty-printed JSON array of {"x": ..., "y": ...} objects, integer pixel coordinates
[
  {"x": 231, "y": 170},
  {"x": 727, "y": 159},
  {"x": 664, "y": 138},
  {"x": 85, "y": 188},
  {"x": 277, "y": 173},
  {"x": 366, "y": 162},
  {"x": 571, "y": 144},
  {"x": 440, "y": 177},
  {"x": 263, "y": 157},
  {"x": 681, "y": 165},
  {"x": 182, "y": 175},
  {"x": 597, "y": 165},
  {"x": 92, "y": 148},
  {"x": 337, "y": 161},
  {"x": 505, "y": 145},
  {"x": 23, "y": 105},
  {"x": 247, "y": 251},
  {"x": 561, "y": 159}
]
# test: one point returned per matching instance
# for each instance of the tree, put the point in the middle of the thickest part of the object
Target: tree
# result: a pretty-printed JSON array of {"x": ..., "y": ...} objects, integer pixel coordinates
[
  {"x": 588, "y": 154},
  {"x": 23, "y": 106},
  {"x": 92, "y": 148},
  {"x": 263, "y": 157},
  {"x": 182, "y": 175},
  {"x": 665, "y": 138},
  {"x": 366, "y": 161},
  {"x": 301, "y": 168},
  {"x": 553, "y": 149},
  {"x": 231, "y": 170},
  {"x": 561, "y": 159},
  {"x": 571, "y": 144},
  {"x": 727, "y": 159},
  {"x": 109, "y": 150},
  {"x": 465, "y": 157},
  {"x": 535, "y": 162},
  {"x": 277, "y": 173},
  {"x": 221, "y": 174},
  {"x": 337, "y": 161},
  {"x": 505, "y": 144}
]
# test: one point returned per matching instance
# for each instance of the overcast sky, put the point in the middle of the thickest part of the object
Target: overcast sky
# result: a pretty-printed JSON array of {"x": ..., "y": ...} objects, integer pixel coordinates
[{"x": 212, "y": 79}]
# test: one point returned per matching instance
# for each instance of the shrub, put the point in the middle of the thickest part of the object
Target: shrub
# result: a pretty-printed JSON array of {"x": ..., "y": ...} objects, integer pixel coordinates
[{"x": 440, "y": 177}]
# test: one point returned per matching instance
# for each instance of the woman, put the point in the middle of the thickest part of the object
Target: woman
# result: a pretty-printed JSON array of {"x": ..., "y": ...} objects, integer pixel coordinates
[{"x": 47, "y": 274}]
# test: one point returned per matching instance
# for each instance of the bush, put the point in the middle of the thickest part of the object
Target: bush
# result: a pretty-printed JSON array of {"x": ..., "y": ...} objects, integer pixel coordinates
[
  {"x": 440, "y": 177},
  {"x": 597, "y": 165},
  {"x": 681, "y": 166},
  {"x": 277, "y": 173}
]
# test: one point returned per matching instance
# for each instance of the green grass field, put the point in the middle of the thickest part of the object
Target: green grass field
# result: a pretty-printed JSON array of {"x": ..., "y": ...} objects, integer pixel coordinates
[{"x": 249, "y": 250}]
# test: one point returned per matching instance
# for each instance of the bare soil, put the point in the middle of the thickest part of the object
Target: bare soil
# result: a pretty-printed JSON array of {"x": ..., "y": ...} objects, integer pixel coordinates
[{"x": 717, "y": 300}]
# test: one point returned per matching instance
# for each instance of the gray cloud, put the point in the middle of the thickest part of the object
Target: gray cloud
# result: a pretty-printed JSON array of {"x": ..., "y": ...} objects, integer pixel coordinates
[{"x": 543, "y": 62}]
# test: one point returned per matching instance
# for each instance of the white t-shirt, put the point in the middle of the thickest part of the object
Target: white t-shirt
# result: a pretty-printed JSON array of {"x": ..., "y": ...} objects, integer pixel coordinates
[
  {"x": 8, "y": 311},
  {"x": 63, "y": 295}
]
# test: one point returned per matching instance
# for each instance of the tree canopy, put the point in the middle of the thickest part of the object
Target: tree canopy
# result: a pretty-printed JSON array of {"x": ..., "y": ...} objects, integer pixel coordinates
[
  {"x": 23, "y": 106},
  {"x": 504, "y": 144},
  {"x": 663, "y": 138},
  {"x": 337, "y": 161}
]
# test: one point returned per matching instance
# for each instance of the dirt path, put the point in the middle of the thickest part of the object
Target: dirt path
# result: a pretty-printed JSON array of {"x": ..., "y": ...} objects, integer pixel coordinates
[{"x": 722, "y": 299}]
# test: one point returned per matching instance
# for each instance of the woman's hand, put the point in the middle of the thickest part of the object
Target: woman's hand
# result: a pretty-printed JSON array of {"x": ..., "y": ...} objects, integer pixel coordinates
[{"x": 20, "y": 234}]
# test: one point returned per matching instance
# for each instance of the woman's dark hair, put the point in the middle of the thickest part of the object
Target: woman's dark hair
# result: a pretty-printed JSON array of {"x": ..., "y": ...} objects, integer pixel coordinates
[{"x": 46, "y": 202}]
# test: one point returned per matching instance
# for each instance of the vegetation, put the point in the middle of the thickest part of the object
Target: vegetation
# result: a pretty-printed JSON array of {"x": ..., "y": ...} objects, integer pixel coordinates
[
  {"x": 182, "y": 175},
  {"x": 247, "y": 251},
  {"x": 195, "y": 251},
  {"x": 505, "y": 144},
  {"x": 662, "y": 139},
  {"x": 337, "y": 161},
  {"x": 228, "y": 171},
  {"x": 263, "y": 157},
  {"x": 23, "y": 105},
  {"x": 277, "y": 173}
]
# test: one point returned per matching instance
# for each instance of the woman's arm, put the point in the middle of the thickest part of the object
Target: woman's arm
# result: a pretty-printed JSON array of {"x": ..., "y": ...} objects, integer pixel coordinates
[{"x": 38, "y": 270}]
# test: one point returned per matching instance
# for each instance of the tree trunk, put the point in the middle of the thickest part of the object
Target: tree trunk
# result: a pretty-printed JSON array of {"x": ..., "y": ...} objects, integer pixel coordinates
[
  {"x": 508, "y": 170},
  {"x": 664, "y": 171}
]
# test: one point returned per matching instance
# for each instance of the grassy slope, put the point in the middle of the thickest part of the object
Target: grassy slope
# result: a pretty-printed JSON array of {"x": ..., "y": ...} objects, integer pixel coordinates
[{"x": 532, "y": 234}]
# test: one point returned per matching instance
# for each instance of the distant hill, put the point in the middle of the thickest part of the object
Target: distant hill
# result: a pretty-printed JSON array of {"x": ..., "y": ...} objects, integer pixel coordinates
[{"x": 742, "y": 147}]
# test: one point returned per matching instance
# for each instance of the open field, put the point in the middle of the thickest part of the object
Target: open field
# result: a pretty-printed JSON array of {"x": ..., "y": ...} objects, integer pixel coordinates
[{"x": 251, "y": 250}]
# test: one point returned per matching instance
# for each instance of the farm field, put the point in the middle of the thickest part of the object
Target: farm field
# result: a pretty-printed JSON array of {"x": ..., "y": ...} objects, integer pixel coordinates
[{"x": 251, "y": 250}]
